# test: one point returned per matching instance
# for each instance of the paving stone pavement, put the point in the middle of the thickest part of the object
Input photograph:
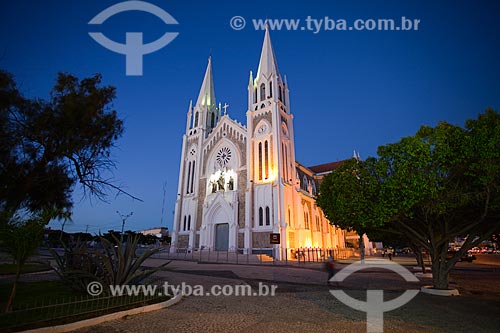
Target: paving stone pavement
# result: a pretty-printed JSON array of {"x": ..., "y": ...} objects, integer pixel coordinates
[{"x": 302, "y": 304}]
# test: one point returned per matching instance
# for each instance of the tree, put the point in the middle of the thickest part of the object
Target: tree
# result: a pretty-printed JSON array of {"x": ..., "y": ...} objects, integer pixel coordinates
[
  {"x": 348, "y": 197},
  {"x": 442, "y": 183},
  {"x": 47, "y": 147},
  {"x": 21, "y": 239}
]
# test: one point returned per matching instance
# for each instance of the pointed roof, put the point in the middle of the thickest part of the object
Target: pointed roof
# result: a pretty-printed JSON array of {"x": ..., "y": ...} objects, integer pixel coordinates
[
  {"x": 207, "y": 93},
  {"x": 267, "y": 63}
]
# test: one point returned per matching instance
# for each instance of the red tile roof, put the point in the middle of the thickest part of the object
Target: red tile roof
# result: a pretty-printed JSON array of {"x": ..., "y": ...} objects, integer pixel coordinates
[{"x": 327, "y": 167}]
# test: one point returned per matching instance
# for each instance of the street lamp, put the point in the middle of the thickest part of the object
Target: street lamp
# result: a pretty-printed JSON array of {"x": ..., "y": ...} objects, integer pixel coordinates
[{"x": 124, "y": 218}]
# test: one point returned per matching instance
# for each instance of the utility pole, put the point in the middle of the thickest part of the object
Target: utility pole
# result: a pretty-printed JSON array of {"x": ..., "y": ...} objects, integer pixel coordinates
[
  {"x": 123, "y": 218},
  {"x": 163, "y": 203}
]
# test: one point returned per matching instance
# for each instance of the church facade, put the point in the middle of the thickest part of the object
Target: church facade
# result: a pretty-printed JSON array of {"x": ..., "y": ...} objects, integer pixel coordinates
[{"x": 238, "y": 184}]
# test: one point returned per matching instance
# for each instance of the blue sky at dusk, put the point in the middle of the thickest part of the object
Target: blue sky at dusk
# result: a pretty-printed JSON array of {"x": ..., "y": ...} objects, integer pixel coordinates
[{"x": 348, "y": 89}]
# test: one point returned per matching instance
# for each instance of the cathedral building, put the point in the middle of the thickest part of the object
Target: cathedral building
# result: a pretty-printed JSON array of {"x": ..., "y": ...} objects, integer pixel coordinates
[{"x": 240, "y": 185}]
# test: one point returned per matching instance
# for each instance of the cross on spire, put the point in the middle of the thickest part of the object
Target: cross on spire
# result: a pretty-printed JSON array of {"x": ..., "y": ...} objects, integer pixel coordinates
[{"x": 225, "y": 108}]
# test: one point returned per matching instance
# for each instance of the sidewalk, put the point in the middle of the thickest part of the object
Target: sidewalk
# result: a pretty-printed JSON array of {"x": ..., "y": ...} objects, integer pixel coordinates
[
  {"x": 302, "y": 303},
  {"x": 311, "y": 275}
]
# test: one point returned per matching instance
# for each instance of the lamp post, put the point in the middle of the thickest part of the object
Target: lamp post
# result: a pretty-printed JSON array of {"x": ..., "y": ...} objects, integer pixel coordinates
[{"x": 123, "y": 218}]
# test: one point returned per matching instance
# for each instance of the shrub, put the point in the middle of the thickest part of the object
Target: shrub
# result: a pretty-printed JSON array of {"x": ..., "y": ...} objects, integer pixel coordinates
[{"x": 108, "y": 264}]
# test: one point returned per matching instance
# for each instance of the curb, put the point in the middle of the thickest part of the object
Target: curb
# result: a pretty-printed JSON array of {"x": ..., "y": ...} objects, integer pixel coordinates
[
  {"x": 112, "y": 316},
  {"x": 439, "y": 292}
]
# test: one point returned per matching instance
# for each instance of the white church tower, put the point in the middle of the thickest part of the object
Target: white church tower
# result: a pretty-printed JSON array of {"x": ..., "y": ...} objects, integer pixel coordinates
[
  {"x": 271, "y": 150},
  {"x": 201, "y": 119}
]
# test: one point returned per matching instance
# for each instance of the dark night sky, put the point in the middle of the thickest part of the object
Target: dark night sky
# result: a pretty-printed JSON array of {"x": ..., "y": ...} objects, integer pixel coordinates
[{"x": 348, "y": 89}]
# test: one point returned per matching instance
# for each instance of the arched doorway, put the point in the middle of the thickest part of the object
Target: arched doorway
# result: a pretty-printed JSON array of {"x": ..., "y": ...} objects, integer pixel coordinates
[{"x": 221, "y": 237}]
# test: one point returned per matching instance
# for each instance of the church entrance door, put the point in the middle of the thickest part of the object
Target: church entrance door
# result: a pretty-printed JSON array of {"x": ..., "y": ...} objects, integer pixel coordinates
[{"x": 221, "y": 237}]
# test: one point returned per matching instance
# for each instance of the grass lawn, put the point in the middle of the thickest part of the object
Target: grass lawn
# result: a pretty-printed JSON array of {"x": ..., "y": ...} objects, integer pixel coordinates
[
  {"x": 47, "y": 303},
  {"x": 31, "y": 293},
  {"x": 6, "y": 269}
]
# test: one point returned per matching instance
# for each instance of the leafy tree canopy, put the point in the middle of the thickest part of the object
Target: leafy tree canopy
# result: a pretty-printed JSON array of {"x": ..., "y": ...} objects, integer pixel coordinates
[
  {"x": 443, "y": 181},
  {"x": 47, "y": 147},
  {"x": 348, "y": 194},
  {"x": 431, "y": 187}
]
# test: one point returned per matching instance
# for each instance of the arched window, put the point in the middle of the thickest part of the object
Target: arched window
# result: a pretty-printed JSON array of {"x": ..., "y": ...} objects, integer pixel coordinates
[
  {"x": 192, "y": 176},
  {"x": 313, "y": 187},
  {"x": 261, "y": 216},
  {"x": 280, "y": 95},
  {"x": 283, "y": 168},
  {"x": 196, "y": 116},
  {"x": 189, "y": 223},
  {"x": 255, "y": 95},
  {"x": 304, "y": 183},
  {"x": 306, "y": 220},
  {"x": 260, "y": 160},
  {"x": 262, "y": 92},
  {"x": 268, "y": 217},
  {"x": 270, "y": 89},
  {"x": 188, "y": 177},
  {"x": 285, "y": 163},
  {"x": 289, "y": 218},
  {"x": 266, "y": 156},
  {"x": 288, "y": 166},
  {"x": 212, "y": 120}
]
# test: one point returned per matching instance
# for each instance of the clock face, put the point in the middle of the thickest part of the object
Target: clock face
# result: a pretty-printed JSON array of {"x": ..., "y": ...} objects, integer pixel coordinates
[
  {"x": 262, "y": 129},
  {"x": 223, "y": 156}
]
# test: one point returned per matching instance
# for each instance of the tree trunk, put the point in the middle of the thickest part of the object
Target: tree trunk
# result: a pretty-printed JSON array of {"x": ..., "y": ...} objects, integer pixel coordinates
[
  {"x": 440, "y": 277},
  {"x": 418, "y": 255},
  {"x": 420, "y": 260},
  {"x": 10, "y": 301},
  {"x": 440, "y": 268},
  {"x": 361, "y": 249}
]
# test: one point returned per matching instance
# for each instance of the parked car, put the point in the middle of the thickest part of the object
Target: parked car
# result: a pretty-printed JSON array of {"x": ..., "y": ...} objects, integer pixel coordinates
[
  {"x": 466, "y": 257},
  {"x": 404, "y": 250},
  {"x": 475, "y": 250}
]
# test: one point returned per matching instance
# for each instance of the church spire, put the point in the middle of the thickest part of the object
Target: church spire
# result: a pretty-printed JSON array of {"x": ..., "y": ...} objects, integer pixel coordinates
[
  {"x": 207, "y": 93},
  {"x": 267, "y": 63}
]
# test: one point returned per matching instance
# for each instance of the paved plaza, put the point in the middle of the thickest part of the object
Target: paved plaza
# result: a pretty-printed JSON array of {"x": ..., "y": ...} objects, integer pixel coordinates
[{"x": 303, "y": 302}]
